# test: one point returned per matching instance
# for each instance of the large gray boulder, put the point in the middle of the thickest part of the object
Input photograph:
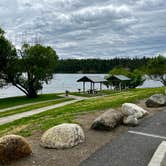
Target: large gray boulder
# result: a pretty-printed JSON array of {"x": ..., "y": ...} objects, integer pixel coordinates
[
  {"x": 13, "y": 147},
  {"x": 156, "y": 100},
  {"x": 134, "y": 110},
  {"x": 63, "y": 136},
  {"x": 108, "y": 120}
]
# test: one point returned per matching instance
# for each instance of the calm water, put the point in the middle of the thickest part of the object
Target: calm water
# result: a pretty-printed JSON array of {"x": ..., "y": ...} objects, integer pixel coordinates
[
  {"x": 59, "y": 83},
  {"x": 63, "y": 82}
]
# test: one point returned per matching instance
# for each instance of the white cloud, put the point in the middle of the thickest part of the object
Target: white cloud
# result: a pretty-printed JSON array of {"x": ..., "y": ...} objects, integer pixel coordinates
[{"x": 92, "y": 28}]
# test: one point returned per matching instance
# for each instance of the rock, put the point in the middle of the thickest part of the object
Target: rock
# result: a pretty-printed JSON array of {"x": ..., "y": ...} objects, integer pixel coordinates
[
  {"x": 108, "y": 120},
  {"x": 13, "y": 147},
  {"x": 132, "y": 113},
  {"x": 132, "y": 109},
  {"x": 130, "y": 120},
  {"x": 156, "y": 100},
  {"x": 63, "y": 136}
]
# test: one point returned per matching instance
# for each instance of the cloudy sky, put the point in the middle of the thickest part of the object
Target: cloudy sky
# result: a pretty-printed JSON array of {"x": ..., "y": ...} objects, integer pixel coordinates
[{"x": 88, "y": 28}]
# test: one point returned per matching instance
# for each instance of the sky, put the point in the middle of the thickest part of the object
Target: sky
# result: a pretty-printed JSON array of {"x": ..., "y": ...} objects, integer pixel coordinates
[{"x": 88, "y": 28}]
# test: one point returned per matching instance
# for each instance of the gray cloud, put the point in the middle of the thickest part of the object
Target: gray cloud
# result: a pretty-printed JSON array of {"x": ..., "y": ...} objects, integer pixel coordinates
[{"x": 93, "y": 28}]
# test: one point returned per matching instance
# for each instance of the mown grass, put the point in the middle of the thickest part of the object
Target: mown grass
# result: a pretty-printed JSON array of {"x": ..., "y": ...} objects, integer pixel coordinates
[
  {"x": 45, "y": 120},
  {"x": 13, "y": 101},
  {"x": 32, "y": 107},
  {"x": 99, "y": 93}
]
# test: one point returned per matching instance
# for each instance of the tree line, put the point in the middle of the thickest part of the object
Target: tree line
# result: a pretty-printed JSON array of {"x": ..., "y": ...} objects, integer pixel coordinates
[{"x": 99, "y": 65}]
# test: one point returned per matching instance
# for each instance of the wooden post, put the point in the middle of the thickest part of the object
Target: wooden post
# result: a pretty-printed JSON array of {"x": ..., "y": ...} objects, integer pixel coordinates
[
  {"x": 90, "y": 85},
  {"x": 93, "y": 86},
  {"x": 100, "y": 86},
  {"x": 84, "y": 87},
  {"x": 120, "y": 86}
]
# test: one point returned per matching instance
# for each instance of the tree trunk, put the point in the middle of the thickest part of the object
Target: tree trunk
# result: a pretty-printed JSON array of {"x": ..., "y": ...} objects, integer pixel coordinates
[
  {"x": 32, "y": 93},
  {"x": 163, "y": 79}
]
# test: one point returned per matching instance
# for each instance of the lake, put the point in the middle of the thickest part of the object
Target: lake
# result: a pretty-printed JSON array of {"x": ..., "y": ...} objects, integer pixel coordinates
[{"x": 60, "y": 83}]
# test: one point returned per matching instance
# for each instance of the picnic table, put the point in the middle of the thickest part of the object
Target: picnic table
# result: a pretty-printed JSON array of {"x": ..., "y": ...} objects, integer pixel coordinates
[{"x": 92, "y": 91}]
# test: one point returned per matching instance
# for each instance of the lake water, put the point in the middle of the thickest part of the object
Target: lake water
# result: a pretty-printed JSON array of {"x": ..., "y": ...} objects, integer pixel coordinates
[
  {"x": 60, "y": 83},
  {"x": 63, "y": 82}
]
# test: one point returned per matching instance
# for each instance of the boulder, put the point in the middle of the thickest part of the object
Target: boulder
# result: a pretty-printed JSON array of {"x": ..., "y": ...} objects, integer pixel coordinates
[
  {"x": 63, "y": 136},
  {"x": 156, "y": 100},
  {"x": 13, "y": 147},
  {"x": 108, "y": 120},
  {"x": 130, "y": 120},
  {"x": 133, "y": 109}
]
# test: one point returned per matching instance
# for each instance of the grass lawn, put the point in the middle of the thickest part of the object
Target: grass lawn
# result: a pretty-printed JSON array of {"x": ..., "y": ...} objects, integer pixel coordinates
[
  {"x": 13, "y": 101},
  {"x": 103, "y": 92},
  {"x": 32, "y": 107},
  {"x": 41, "y": 122}
]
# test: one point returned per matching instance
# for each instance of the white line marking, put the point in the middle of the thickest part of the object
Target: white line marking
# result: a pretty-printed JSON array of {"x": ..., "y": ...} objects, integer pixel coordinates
[{"x": 146, "y": 134}]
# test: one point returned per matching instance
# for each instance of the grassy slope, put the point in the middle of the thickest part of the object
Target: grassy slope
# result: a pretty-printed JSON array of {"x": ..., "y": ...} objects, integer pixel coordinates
[
  {"x": 45, "y": 120},
  {"x": 32, "y": 107},
  {"x": 13, "y": 101}
]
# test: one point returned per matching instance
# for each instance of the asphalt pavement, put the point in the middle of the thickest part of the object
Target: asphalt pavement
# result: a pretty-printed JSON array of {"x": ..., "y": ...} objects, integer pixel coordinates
[{"x": 134, "y": 148}]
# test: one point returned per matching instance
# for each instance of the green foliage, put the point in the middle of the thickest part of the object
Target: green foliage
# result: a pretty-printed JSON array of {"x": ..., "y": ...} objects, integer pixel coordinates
[
  {"x": 38, "y": 63},
  {"x": 120, "y": 71},
  {"x": 98, "y": 65},
  {"x": 1, "y": 32},
  {"x": 156, "y": 68},
  {"x": 136, "y": 78},
  {"x": 136, "y": 75},
  {"x": 8, "y": 59}
]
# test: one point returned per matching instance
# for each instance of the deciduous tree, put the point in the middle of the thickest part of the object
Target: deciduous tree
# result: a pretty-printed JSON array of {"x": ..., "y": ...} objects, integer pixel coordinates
[
  {"x": 28, "y": 68},
  {"x": 35, "y": 67},
  {"x": 136, "y": 75}
]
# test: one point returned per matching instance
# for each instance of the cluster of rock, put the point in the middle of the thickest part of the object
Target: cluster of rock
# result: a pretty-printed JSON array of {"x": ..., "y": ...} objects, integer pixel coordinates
[
  {"x": 13, "y": 147},
  {"x": 110, "y": 119},
  {"x": 129, "y": 115}
]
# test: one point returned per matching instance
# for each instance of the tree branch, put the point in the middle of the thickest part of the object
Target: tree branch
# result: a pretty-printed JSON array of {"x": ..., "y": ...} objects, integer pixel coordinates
[{"x": 21, "y": 88}]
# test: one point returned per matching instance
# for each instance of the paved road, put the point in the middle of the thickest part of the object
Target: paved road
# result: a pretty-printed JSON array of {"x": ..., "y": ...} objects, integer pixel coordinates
[
  {"x": 14, "y": 117},
  {"x": 134, "y": 148}
]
